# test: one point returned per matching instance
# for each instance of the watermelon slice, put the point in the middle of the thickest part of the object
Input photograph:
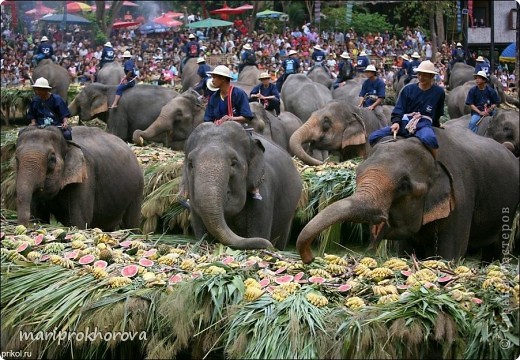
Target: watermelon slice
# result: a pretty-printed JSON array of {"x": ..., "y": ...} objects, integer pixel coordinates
[
  {"x": 129, "y": 271},
  {"x": 316, "y": 279},
  {"x": 248, "y": 263},
  {"x": 87, "y": 259},
  {"x": 126, "y": 243},
  {"x": 100, "y": 264},
  {"x": 476, "y": 300},
  {"x": 150, "y": 252},
  {"x": 71, "y": 254},
  {"x": 24, "y": 248},
  {"x": 406, "y": 273},
  {"x": 38, "y": 239},
  {"x": 284, "y": 279},
  {"x": 228, "y": 260},
  {"x": 281, "y": 270},
  {"x": 402, "y": 287},
  {"x": 2, "y": 235},
  {"x": 45, "y": 257},
  {"x": 264, "y": 282},
  {"x": 174, "y": 279},
  {"x": 146, "y": 262},
  {"x": 445, "y": 279},
  {"x": 344, "y": 287},
  {"x": 196, "y": 275},
  {"x": 298, "y": 276}
]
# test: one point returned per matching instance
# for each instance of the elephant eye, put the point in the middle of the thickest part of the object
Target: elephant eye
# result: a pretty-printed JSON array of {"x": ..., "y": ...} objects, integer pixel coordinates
[
  {"x": 51, "y": 162},
  {"x": 234, "y": 163},
  {"x": 326, "y": 124},
  {"x": 190, "y": 164}
]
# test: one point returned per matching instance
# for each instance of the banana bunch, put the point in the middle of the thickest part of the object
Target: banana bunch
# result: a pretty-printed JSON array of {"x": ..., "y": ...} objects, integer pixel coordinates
[
  {"x": 254, "y": 258},
  {"x": 148, "y": 276},
  {"x": 496, "y": 282},
  {"x": 290, "y": 287},
  {"x": 396, "y": 264},
  {"x": 9, "y": 244},
  {"x": 369, "y": 262},
  {"x": 516, "y": 294},
  {"x": 386, "y": 299},
  {"x": 118, "y": 281},
  {"x": 78, "y": 236},
  {"x": 335, "y": 269},
  {"x": 20, "y": 229},
  {"x": 461, "y": 295},
  {"x": 463, "y": 271},
  {"x": 24, "y": 239},
  {"x": 54, "y": 248},
  {"x": 138, "y": 244},
  {"x": 334, "y": 259},
  {"x": 78, "y": 244},
  {"x": 168, "y": 259},
  {"x": 295, "y": 267},
  {"x": 495, "y": 273},
  {"x": 250, "y": 282},
  {"x": 420, "y": 277},
  {"x": 279, "y": 294},
  {"x": 33, "y": 256},
  {"x": 252, "y": 293},
  {"x": 316, "y": 299},
  {"x": 214, "y": 270},
  {"x": 55, "y": 259},
  {"x": 12, "y": 255},
  {"x": 280, "y": 264},
  {"x": 434, "y": 264},
  {"x": 381, "y": 273},
  {"x": 320, "y": 272},
  {"x": 202, "y": 259},
  {"x": 382, "y": 290},
  {"x": 178, "y": 251},
  {"x": 104, "y": 239},
  {"x": 188, "y": 264},
  {"x": 58, "y": 233},
  {"x": 362, "y": 270},
  {"x": 354, "y": 303},
  {"x": 98, "y": 273}
]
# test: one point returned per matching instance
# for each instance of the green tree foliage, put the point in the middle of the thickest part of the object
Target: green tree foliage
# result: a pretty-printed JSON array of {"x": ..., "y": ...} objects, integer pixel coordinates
[{"x": 362, "y": 22}]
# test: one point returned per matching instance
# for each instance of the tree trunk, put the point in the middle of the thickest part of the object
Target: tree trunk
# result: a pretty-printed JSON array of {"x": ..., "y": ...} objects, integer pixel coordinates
[
  {"x": 257, "y": 6},
  {"x": 441, "y": 32},
  {"x": 433, "y": 33}
]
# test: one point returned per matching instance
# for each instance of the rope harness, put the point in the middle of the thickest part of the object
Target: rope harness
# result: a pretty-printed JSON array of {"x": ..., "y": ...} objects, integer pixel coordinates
[{"x": 415, "y": 118}]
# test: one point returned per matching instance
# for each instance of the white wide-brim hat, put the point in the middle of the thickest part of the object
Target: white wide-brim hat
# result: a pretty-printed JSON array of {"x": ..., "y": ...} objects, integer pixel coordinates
[
  {"x": 480, "y": 58},
  {"x": 481, "y": 73},
  {"x": 210, "y": 85},
  {"x": 416, "y": 55},
  {"x": 127, "y": 54},
  {"x": 108, "y": 43},
  {"x": 459, "y": 44},
  {"x": 247, "y": 47},
  {"x": 371, "y": 68},
  {"x": 44, "y": 38},
  {"x": 426, "y": 67},
  {"x": 404, "y": 56},
  {"x": 201, "y": 59},
  {"x": 264, "y": 75},
  {"x": 292, "y": 52},
  {"x": 317, "y": 47},
  {"x": 221, "y": 70},
  {"x": 345, "y": 55},
  {"x": 191, "y": 36},
  {"x": 41, "y": 83},
  {"x": 363, "y": 53}
]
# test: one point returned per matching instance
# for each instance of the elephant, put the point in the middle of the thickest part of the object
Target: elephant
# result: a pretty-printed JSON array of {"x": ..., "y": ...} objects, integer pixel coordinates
[
  {"x": 456, "y": 100},
  {"x": 94, "y": 181},
  {"x": 461, "y": 73},
  {"x": 320, "y": 75},
  {"x": 302, "y": 96},
  {"x": 433, "y": 207},
  {"x": 111, "y": 74},
  {"x": 135, "y": 110},
  {"x": 189, "y": 76},
  {"x": 222, "y": 164},
  {"x": 503, "y": 127},
  {"x": 58, "y": 77},
  {"x": 249, "y": 75},
  {"x": 337, "y": 126},
  {"x": 350, "y": 91},
  {"x": 177, "y": 119}
]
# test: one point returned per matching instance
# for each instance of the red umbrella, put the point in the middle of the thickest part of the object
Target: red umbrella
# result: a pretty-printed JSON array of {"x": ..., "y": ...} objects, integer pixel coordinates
[
  {"x": 167, "y": 21},
  {"x": 129, "y": 3},
  {"x": 226, "y": 10},
  {"x": 125, "y": 24},
  {"x": 42, "y": 9},
  {"x": 77, "y": 6},
  {"x": 245, "y": 7},
  {"x": 173, "y": 14}
]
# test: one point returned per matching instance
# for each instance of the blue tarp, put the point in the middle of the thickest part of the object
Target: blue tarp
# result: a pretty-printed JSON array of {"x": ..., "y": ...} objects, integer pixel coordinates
[
  {"x": 151, "y": 27},
  {"x": 509, "y": 53}
]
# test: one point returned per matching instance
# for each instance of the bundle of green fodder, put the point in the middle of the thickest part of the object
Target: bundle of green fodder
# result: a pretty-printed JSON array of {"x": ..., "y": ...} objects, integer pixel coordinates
[{"x": 175, "y": 296}]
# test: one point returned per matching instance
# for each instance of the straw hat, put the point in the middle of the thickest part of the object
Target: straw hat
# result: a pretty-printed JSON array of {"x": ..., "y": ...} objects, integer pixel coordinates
[
  {"x": 459, "y": 45},
  {"x": 247, "y": 47},
  {"x": 210, "y": 85},
  {"x": 426, "y": 67},
  {"x": 108, "y": 44},
  {"x": 292, "y": 52},
  {"x": 415, "y": 55},
  {"x": 363, "y": 53},
  {"x": 221, "y": 70},
  {"x": 41, "y": 83},
  {"x": 317, "y": 47},
  {"x": 127, "y": 54},
  {"x": 371, "y": 68},
  {"x": 482, "y": 74},
  {"x": 191, "y": 36},
  {"x": 264, "y": 75},
  {"x": 200, "y": 60},
  {"x": 345, "y": 55},
  {"x": 405, "y": 57},
  {"x": 44, "y": 38},
  {"x": 480, "y": 58}
]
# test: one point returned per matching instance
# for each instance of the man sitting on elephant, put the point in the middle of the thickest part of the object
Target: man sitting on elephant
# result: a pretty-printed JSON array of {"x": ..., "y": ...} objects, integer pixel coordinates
[
  {"x": 373, "y": 93},
  {"x": 191, "y": 49},
  {"x": 266, "y": 93},
  {"x": 107, "y": 55},
  {"x": 418, "y": 108},
  {"x": 290, "y": 66},
  {"x": 202, "y": 71},
  {"x": 228, "y": 103},
  {"x": 412, "y": 65},
  {"x": 248, "y": 57},
  {"x": 482, "y": 65},
  {"x": 345, "y": 70},
  {"x": 44, "y": 51},
  {"x": 47, "y": 109},
  {"x": 482, "y": 99},
  {"x": 131, "y": 73}
]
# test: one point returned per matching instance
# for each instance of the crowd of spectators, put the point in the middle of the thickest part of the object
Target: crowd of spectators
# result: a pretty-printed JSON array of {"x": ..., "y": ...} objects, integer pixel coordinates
[{"x": 158, "y": 55}]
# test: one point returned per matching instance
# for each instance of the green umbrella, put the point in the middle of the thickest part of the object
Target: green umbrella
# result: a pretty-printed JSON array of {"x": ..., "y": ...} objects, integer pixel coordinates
[
  {"x": 208, "y": 23},
  {"x": 269, "y": 14}
]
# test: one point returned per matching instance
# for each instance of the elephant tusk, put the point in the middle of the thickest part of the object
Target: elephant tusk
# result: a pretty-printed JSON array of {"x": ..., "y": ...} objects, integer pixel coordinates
[{"x": 141, "y": 141}]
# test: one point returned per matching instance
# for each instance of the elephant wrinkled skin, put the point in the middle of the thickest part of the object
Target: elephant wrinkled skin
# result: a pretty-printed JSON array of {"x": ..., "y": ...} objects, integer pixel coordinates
[
  {"x": 249, "y": 75},
  {"x": 432, "y": 207},
  {"x": 95, "y": 181},
  {"x": 111, "y": 73},
  {"x": 221, "y": 166}
]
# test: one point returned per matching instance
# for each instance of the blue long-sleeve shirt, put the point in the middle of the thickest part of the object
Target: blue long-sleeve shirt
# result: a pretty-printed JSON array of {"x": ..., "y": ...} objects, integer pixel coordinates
[
  {"x": 482, "y": 66},
  {"x": 318, "y": 56},
  {"x": 218, "y": 107},
  {"x": 54, "y": 108},
  {"x": 202, "y": 70},
  {"x": 414, "y": 64},
  {"x": 373, "y": 89},
  {"x": 482, "y": 98},
  {"x": 270, "y": 90},
  {"x": 362, "y": 63},
  {"x": 45, "y": 49},
  {"x": 412, "y": 99}
]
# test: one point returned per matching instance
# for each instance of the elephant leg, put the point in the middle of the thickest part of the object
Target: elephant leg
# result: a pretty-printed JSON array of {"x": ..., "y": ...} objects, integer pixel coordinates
[
  {"x": 40, "y": 212},
  {"x": 198, "y": 226},
  {"x": 132, "y": 216},
  {"x": 80, "y": 204}
]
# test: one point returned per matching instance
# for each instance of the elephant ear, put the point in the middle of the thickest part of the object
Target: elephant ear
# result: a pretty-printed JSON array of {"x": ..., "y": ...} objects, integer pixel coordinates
[
  {"x": 75, "y": 167},
  {"x": 354, "y": 135},
  {"x": 99, "y": 103},
  {"x": 255, "y": 175},
  {"x": 440, "y": 199}
]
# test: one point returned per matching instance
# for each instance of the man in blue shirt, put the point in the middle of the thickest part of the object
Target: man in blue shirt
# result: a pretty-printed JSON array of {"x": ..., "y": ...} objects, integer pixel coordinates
[
  {"x": 414, "y": 64},
  {"x": 266, "y": 93},
  {"x": 362, "y": 62},
  {"x": 482, "y": 99},
  {"x": 44, "y": 51},
  {"x": 373, "y": 93},
  {"x": 129, "y": 80},
  {"x": 419, "y": 108},
  {"x": 202, "y": 71},
  {"x": 107, "y": 55},
  {"x": 482, "y": 65},
  {"x": 345, "y": 70},
  {"x": 248, "y": 58},
  {"x": 290, "y": 66},
  {"x": 404, "y": 66},
  {"x": 47, "y": 109},
  {"x": 191, "y": 49}
]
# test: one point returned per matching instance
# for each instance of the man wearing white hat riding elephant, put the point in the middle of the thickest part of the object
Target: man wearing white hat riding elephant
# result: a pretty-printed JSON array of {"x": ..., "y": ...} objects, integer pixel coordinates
[
  {"x": 362, "y": 62},
  {"x": 482, "y": 65},
  {"x": 412, "y": 65},
  {"x": 131, "y": 74},
  {"x": 418, "y": 109},
  {"x": 247, "y": 58},
  {"x": 482, "y": 99},
  {"x": 44, "y": 51},
  {"x": 107, "y": 55},
  {"x": 373, "y": 92},
  {"x": 345, "y": 70}
]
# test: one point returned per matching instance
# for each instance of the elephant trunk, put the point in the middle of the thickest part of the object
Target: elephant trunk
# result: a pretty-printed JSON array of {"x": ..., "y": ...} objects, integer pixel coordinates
[
  {"x": 158, "y": 127},
  {"x": 28, "y": 180},
  {"x": 370, "y": 204},
  {"x": 208, "y": 200},
  {"x": 298, "y": 138}
]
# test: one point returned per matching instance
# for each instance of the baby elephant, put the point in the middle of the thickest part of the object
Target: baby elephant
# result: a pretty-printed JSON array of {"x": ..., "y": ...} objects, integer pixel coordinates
[{"x": 223, "y": 166}]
